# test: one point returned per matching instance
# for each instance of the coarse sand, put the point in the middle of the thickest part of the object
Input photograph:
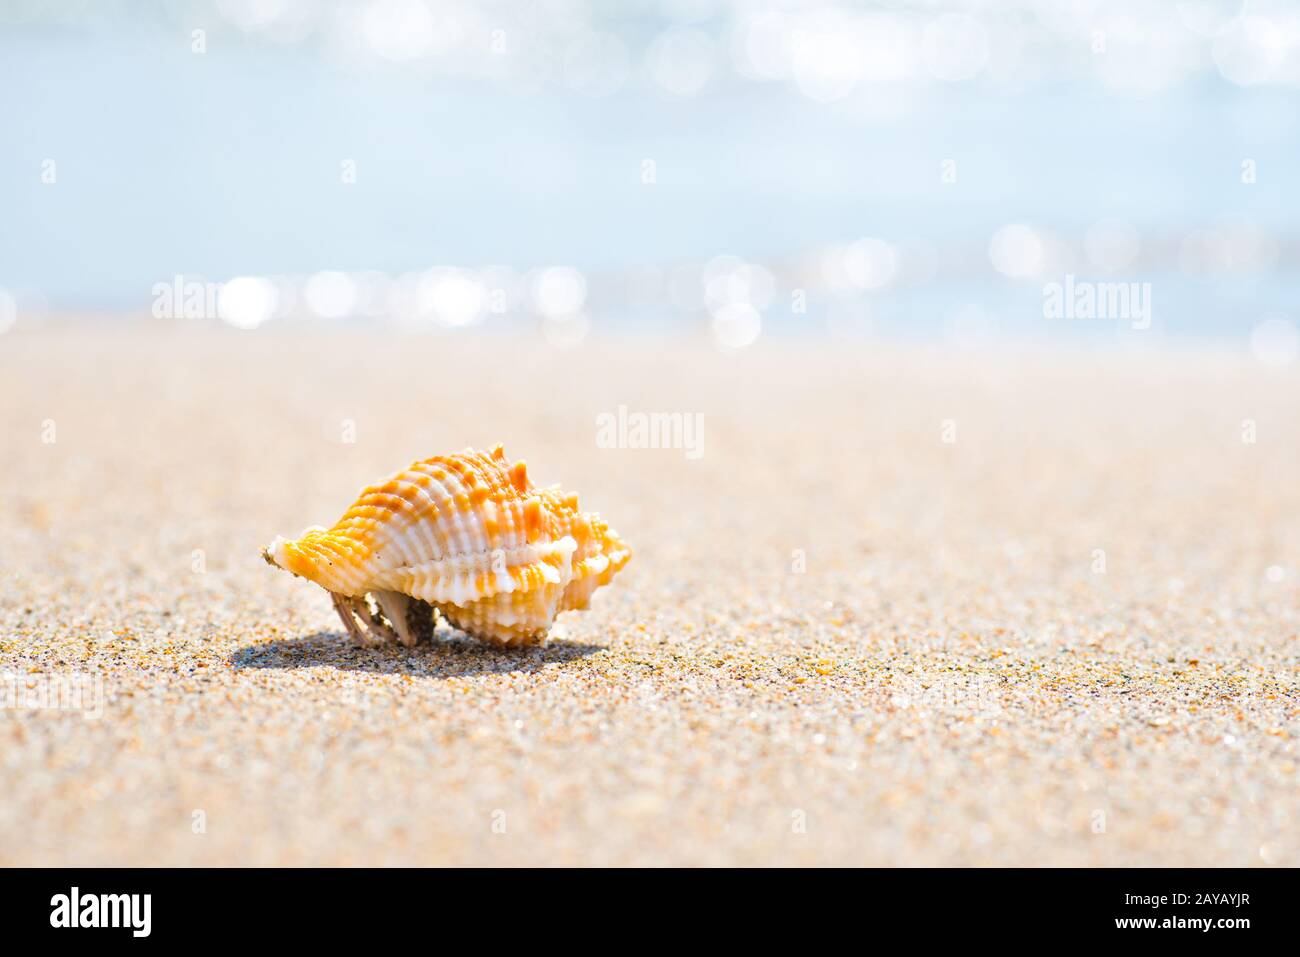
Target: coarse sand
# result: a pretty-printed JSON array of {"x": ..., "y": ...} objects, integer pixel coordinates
[{"x": 904, "y": 607}]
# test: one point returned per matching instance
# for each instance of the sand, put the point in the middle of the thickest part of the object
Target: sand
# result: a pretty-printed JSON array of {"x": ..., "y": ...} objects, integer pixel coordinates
[{"x": 1067, "y": 636}]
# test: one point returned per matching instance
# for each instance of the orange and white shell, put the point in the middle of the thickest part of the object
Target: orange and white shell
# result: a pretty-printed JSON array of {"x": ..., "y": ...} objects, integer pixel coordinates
[{"x": 468, "y": 534}]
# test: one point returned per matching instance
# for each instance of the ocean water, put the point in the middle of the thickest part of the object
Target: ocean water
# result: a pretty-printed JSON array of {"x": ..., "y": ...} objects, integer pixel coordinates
[{"x": 235, "y": 162}]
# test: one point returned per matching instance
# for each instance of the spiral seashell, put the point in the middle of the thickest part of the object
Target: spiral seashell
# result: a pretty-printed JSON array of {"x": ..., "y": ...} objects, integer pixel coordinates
[{"x": 465, "y": 535}]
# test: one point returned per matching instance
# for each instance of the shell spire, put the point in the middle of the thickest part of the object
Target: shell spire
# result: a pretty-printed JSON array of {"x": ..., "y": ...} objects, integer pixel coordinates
[
  {"x": 519, "y": 476},
  {"x": 467, "y": 536}
]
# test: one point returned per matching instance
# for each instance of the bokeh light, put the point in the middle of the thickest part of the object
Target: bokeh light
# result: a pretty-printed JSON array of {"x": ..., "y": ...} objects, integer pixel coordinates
[
  {"x": 870, "y": 263},
  {"x": 681, "y": 61},
  {"x": 824, "y": 58},
  {"x": 330, "y": 295},
  {"x": 1251, "y": 51},
  {"x": 246, "y": 302},
  {"x": 452, "y": 297},
  {"x": 398, "y": 29},
  {"x": 559, "y": 291},
  {"x": 736, "y": 325},
  {"x": 1275, "y": 341},
  {"x": 1017, "y": 251}
]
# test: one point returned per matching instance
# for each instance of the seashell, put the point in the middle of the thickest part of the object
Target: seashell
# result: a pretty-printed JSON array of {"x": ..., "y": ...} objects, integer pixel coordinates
[{"x": 467, "y": 536}]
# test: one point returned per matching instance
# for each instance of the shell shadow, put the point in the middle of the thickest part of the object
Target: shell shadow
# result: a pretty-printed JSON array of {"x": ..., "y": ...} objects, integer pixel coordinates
[{"x": 439, "y": 659}]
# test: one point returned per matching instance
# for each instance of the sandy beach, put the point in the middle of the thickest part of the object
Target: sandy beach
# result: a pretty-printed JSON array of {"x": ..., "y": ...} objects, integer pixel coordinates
[{"x": 904, "y": 608}]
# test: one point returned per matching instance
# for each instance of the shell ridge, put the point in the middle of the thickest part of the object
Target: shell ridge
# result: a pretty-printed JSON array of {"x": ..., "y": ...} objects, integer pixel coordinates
[
  {"x": 469, "y": 534},
  {"x": 455, "y": 578},
  {"x": 421, "y": 520}
]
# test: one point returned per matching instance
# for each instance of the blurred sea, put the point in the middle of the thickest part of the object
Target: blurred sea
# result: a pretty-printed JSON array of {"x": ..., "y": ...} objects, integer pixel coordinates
[{"x": 634, "y": 149}]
